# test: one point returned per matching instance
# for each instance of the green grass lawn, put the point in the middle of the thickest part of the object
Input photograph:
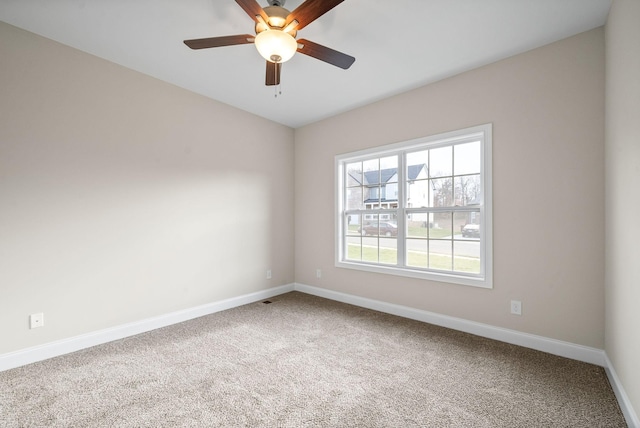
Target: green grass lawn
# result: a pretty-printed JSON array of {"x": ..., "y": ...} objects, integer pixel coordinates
[
  {"x": 416, "y": 259},
  {"x": 421, "y": 232}
]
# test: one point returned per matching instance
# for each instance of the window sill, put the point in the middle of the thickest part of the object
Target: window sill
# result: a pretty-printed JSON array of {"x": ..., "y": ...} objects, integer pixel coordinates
[{"x": 474, "y": 281}]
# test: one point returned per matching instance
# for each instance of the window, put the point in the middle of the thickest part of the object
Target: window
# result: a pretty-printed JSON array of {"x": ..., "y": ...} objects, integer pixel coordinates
[{"x": 420, "y": 208}]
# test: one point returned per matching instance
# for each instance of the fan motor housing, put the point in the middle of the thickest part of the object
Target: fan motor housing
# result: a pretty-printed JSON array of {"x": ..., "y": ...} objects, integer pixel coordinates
[{"x": 277, "y": 18}]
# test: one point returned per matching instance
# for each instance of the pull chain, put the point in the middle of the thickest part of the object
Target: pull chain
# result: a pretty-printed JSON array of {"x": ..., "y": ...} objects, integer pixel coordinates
[{"x": 277, "y": 88}]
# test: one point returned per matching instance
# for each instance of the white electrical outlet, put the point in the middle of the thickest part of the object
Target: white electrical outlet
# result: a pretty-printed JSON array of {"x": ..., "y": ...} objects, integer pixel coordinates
[
  {"x": 516, "y": 307},
  {"x": 269, "y": 274},
  {"x": 36, "y": 320},
  {"x": 318, "y": 273}
]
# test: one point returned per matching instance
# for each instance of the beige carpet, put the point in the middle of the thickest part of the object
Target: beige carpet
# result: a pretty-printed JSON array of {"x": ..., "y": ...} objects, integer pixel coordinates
[{"x": 305, "y": 361}]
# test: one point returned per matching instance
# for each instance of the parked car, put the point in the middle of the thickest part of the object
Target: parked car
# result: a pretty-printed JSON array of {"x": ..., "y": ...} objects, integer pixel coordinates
[
  {"x": 384, "y": 229},
  {"x": 471, "y": 231}
]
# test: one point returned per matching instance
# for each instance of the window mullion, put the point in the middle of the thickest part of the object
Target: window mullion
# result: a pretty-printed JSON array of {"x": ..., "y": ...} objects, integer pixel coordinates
[
  {"x": 401, "y": 214},
  {"x": 425, "y": 162}
]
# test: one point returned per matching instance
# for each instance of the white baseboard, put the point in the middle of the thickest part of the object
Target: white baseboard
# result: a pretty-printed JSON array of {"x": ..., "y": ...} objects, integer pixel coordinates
[
  {"x": 72, "y": 344},
  {"x": 540, "y": 343},
  {"x": 552, "y": 346},
  {"x": 625, "y": 404}
]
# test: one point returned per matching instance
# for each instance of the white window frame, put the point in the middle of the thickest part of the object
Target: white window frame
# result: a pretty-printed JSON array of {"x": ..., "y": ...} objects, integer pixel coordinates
[{"x": 485, "y": 278}]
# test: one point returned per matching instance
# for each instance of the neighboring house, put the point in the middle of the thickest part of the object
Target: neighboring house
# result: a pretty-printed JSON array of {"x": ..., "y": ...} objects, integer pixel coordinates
[{"x": 380, "y": 189}]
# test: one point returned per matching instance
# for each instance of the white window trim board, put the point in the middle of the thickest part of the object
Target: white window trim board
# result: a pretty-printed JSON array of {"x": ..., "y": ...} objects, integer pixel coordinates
[{"x": 472, "y": 133}]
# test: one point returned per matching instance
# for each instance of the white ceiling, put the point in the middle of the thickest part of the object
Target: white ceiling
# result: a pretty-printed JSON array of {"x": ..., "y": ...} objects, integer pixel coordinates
[{"x": 398, "y": 45}]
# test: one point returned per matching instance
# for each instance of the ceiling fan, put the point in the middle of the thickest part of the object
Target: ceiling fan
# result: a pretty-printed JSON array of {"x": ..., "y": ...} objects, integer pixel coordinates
[{"x": 276, "y": 30}]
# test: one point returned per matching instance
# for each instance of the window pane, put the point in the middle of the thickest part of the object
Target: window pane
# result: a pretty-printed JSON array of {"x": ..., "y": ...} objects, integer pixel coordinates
[
  {"x": 460, "y": 219},
  {"x": 466, "y": 256},
  {"x": 370, "y": 225},
  {"x": 467, "y": 190},
  {"x": 390, "y": 193},
  {"x": 441, "y": 228},
  {"x": 384, "y": 227},
  {"x": 417, "y": 255},
  {"x": 354, "y": 174},
  {"x": 417, "y": 164},
  {"x": 442, "y": 178},
  {"x": 467, "y": 158},
  {"x": 354, "y": 248},
  {"x": 389, "y": 169},
  {"x": 354, "y": 198},
  {"x": 388, "y": 251},
  {"x": 369, "y": 218},
  {"x": 370, "y": 249},
  {"x": 353, "y": 224},
  {"x": 440, "y": 242},
  {"x": 371, "y": 172},
  {"x": 441, "y": 162},
  {"x": 417, "y": 172},
  {"x": 418, "y": 194},
  {"x": 468, "y": 223},
  {"x": 390, "y": 217},
  {"x": 442, "y": 190},
  {"x": 372, "y": 197},
  {"x": 417, "y": 225},
  {"x": 440, "y": 254}
]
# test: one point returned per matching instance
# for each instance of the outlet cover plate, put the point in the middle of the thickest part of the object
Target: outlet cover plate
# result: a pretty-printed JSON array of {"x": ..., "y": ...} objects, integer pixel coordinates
[
  {"x": 36, "y": 320},
  {"x": 516, "y": 307}
]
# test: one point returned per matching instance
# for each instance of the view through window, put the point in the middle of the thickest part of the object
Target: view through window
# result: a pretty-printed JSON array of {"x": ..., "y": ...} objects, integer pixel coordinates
[{"x": 420, "y": 208}]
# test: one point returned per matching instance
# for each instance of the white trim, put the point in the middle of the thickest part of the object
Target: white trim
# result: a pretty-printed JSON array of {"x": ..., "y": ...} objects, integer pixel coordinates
[
  {"x": 540, "y": 343},
  {"x": 443, "y": 139},
  {"x": 552, "y": 346},
  {"x": 72, "y": 344},
  {"x": 487, "y": 207},
  {"x": 623, "y": 400},
  {"x": 451, "y": 278},
  {"x": 482, "y": 132}
]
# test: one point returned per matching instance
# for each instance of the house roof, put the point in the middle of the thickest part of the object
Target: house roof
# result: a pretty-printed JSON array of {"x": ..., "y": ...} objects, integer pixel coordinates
[{"x": 373, "y": 178}]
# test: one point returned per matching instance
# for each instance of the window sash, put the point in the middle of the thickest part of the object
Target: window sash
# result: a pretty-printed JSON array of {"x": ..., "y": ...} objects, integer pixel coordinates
[{"x": 403, "y": 209}]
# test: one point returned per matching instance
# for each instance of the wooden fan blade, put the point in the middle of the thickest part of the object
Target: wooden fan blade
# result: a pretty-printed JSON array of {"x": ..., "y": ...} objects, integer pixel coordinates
[
  {"x": 253, "y": 9},
  {"x": 311, "y": 10},
  {"x": 273, "y": 73},
  {"x": 215, "y": 42},
  {"x": 325, "y": 54}
]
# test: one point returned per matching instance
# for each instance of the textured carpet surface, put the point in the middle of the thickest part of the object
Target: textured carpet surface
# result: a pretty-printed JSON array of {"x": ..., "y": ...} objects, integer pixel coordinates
[{"x": 305, "y": 361}]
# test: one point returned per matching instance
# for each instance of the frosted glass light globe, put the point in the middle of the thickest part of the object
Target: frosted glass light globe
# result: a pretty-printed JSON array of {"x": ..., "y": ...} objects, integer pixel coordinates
[{"x": 276, "y": 46}]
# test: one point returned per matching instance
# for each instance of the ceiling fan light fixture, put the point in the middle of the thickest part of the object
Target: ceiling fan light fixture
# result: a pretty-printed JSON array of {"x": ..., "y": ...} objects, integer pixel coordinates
[
  {"x": 276, "y": 45},
  {"x": 277, "y": 15},
  {"x": 276, "y": 35},
  {"x": 276, "y": 21}
]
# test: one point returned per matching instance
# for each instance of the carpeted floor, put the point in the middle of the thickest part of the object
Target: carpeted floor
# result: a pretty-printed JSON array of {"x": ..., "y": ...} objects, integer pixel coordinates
[{"x": 305, "y": 361}]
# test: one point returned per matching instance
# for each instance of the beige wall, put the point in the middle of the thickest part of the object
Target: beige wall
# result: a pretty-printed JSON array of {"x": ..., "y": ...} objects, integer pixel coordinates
[
  {"x": 547, "y": 110},
  {"x": 123, "y": 197},
  {"x": 623, "y": 194}
]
